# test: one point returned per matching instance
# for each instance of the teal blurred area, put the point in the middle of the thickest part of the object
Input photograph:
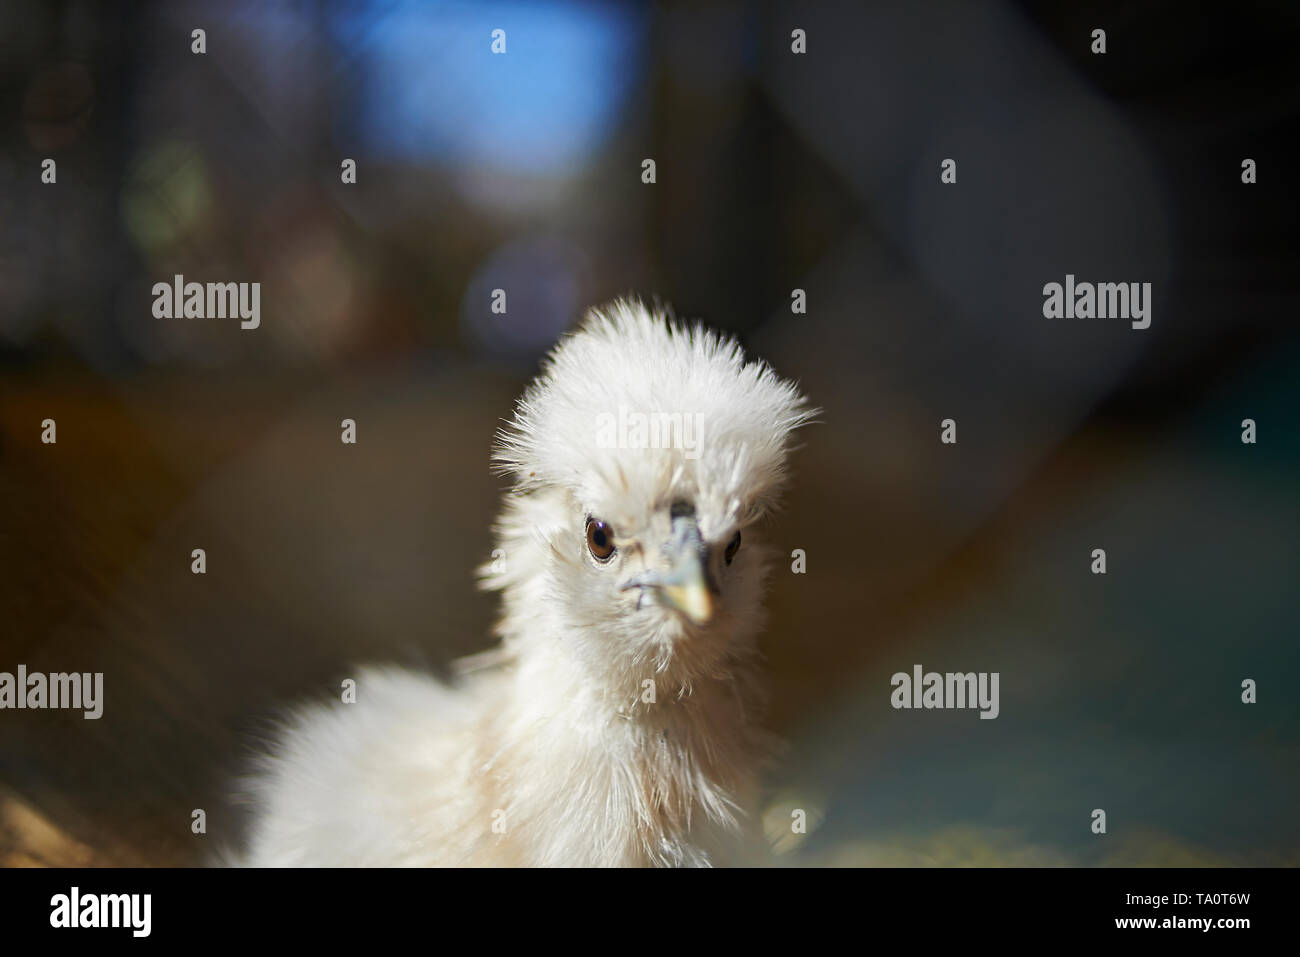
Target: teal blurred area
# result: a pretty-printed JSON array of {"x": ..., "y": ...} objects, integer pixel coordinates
[{"x": 1121, "y": 692}]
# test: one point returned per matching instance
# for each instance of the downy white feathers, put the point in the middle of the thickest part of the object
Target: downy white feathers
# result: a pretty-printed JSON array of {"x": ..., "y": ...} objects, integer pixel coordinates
[{"x": 615, "y": 724}]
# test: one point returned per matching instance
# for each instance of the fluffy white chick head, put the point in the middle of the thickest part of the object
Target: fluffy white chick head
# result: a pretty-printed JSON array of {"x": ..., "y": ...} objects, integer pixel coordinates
[{"x": 643, "y": 457}]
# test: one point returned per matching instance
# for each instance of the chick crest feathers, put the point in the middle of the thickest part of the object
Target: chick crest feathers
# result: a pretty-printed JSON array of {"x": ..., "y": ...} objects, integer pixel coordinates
[{"x": 715, "y": 428}]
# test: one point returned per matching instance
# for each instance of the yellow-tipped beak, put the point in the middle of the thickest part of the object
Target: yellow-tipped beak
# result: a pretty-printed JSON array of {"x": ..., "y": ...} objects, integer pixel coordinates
[
  {"x": 692, "y": 598},
  {"x": 685, "y": 587}
]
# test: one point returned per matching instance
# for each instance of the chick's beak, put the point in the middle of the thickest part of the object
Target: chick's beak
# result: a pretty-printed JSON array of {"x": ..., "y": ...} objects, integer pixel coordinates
[
  {"x": 687, "y": 590},
  {"x": 685, "y": 586}
]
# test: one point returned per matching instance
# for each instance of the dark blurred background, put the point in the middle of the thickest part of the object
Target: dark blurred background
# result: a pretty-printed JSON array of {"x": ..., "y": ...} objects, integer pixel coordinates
[{"x": 775, "y": 171}]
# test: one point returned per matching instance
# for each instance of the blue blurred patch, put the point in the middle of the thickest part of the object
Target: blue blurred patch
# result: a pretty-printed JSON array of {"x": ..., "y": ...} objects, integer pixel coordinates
[{"x": 430, "y": 87}]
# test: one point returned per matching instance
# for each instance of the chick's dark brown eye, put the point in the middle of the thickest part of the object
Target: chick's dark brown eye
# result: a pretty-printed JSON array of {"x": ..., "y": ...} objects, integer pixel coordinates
[
  {"x": 732, "y": 547},
  {"x": 600, "y": 540}
]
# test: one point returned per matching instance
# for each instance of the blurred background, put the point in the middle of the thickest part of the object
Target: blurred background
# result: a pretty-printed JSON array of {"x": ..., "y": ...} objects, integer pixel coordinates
[{"x": 775, "y": 171}]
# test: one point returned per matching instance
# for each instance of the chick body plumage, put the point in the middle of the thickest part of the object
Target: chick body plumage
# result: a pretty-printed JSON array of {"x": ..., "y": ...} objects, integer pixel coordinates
[{"x": 616, "y": 723}]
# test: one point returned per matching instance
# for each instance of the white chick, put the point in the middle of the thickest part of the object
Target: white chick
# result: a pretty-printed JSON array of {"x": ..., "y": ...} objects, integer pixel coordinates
[{"x": 615, "y": 724}]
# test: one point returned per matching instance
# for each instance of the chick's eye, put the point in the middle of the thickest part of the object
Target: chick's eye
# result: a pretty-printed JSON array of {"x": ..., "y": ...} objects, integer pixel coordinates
[
  {"x": 600, "y": 540},
  {"x": 732, "y": 547}
]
